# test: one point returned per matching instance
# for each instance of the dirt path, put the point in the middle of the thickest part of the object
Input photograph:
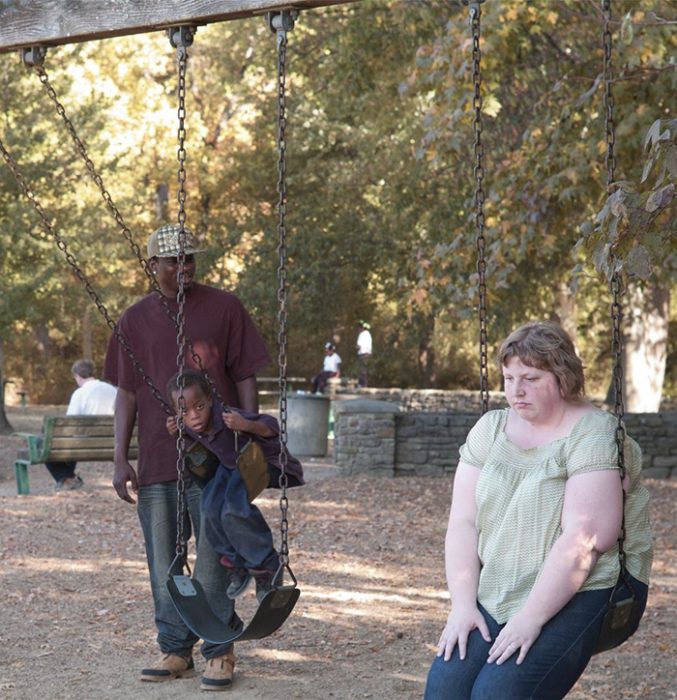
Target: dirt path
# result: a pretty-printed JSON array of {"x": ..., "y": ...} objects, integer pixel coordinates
[{"x": 76, "y": 619}]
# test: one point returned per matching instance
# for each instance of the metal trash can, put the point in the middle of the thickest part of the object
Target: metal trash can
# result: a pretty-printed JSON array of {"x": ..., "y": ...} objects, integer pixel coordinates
[{"x": 307, "y": 424}]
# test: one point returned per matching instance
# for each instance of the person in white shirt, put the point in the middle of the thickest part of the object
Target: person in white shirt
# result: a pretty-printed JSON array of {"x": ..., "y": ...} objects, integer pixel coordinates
[
  {"x": 363, "y": 351},
  {"x": 92, "y": 398},
  {"x": 331, "y": 367}
]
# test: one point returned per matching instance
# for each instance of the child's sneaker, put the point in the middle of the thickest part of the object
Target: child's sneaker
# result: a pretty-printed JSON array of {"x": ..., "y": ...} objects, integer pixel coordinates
[
  {"x": 264, "y": 583},
  {"x": 239, "y": 580}
]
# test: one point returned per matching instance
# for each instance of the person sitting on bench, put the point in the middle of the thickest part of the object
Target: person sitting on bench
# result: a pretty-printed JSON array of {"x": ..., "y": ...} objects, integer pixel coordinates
[
  {"x": 92, "y": 398},
  {"x": 331, "y": 367}
]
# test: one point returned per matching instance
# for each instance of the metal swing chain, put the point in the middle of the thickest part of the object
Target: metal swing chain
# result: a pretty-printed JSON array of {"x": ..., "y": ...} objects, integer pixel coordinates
[
  {"x": 479, "y": 203},
  {"x": 281, "y": 23},
  {"x": 35, "y": 56},
  {"x": 182, "y": 38},
  {"x": 72, "y": 261},
  {"x": 616, "y": 280}
]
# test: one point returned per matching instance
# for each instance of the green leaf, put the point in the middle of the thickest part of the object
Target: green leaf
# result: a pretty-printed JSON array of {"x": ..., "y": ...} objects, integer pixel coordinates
[
  {"x": 638, "y": 263},
  {"x": 627, "y": 32},
  {"x": 653, "y": 133},
  {"x": 660, "y": 199}
]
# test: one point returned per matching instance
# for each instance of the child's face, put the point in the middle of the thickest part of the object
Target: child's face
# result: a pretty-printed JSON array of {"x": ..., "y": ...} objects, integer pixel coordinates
[{"x": 197, "y": 413}]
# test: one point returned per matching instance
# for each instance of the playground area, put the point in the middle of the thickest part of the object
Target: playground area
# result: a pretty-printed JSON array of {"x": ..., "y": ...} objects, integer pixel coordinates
[{"x": 77, "y": 615}]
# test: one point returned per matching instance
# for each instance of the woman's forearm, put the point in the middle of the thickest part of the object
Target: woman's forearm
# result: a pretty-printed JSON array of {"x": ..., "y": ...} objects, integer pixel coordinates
[
  {"x": 591, "y": 521},
  {"x": 462, "y": 563},
  {"x": 564, "y": 571}
]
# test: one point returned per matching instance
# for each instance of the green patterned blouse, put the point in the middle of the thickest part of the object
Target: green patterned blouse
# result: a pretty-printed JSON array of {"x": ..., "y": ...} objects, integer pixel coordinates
[{"x": 520, "y": 493}]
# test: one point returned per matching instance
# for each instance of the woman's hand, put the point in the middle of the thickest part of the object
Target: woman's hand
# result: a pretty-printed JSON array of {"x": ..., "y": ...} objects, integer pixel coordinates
[
  {"x": 460, "y": 623},
  {"x": 172, "y": 425},
  {"x": 519, "y": 634}
]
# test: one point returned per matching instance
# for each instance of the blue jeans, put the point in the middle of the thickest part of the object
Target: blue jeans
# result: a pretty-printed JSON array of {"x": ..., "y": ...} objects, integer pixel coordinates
[
  {"x": 234, "y": 526},
  {"x": 551, "y": 668},
  {"x": 61, "y": 470},
  {"x": 156, "y": 509}
]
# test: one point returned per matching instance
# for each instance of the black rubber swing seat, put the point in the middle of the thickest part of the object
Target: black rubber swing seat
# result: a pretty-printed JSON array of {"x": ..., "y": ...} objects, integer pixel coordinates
[{"x": 191, "y": 603}]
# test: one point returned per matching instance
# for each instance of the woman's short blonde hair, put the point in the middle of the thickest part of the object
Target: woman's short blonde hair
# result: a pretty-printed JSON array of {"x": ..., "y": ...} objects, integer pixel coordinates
[{"x": 547, "y": 346}]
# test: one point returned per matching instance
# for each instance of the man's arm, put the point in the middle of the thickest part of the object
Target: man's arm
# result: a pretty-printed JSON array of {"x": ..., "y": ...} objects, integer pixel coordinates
[
  {"x": 247, "y": 392},
  {"x": 125, "y": 416}
]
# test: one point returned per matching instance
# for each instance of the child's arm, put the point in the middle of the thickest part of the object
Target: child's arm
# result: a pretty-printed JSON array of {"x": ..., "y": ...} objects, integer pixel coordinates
[
  {"x": 172, "y": 426},
  {"x": 243, "y": 425}
]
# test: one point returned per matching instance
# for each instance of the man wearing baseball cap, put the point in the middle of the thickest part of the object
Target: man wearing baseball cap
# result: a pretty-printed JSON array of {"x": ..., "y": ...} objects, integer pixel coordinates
[
  {"x": 331, "y": 367},
  {"x": 231, "y": 351}
]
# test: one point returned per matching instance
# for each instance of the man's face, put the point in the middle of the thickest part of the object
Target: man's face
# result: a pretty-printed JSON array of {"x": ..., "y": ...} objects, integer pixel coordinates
[{"x": 166, "y": 272}]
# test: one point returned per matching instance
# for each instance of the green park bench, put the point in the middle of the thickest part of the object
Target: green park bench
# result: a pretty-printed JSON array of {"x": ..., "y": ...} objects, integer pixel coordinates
[{"x": 68, "y": 439}]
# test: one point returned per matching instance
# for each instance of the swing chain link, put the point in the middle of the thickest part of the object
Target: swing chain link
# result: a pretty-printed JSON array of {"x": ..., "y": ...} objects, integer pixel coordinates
[
  {"x": 281, "y": 23},
  {"x": 609, "y": 123},
  {"x": 616, "y": 284},
  {"x": 479, "y": 205},
  {"x": 181, "y": 38}
]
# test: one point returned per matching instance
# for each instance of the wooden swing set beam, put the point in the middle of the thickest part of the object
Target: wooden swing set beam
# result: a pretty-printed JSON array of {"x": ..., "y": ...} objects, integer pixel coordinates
[{"x": 26, "y": 23}]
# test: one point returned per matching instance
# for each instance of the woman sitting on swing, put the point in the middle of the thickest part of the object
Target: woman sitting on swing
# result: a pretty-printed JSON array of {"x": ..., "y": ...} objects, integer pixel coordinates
[{"x": 531, "y": 545}]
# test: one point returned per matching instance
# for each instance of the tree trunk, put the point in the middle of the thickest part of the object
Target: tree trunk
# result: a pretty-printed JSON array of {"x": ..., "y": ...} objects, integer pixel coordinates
[
  {"x": 161, "y": 202},
  {"x": 5, "y": 426},
  {"x": 87, "y": 343},
  {"x": 426, "y": 352},
  {"x": 565, "y": 313},
  {"x": 645, "y": 347}
]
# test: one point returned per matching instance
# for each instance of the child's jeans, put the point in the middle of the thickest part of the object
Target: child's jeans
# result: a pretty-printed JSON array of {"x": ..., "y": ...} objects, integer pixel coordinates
[{"x": 234, "y": 526}]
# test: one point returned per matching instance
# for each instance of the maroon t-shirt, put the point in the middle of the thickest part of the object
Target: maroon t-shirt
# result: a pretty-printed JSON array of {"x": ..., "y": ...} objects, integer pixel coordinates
[{"x": 223, "y": 335}]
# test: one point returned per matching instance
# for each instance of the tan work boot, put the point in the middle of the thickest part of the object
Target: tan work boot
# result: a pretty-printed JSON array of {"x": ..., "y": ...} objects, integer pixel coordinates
[
  {"x": 171, "y": 666},
  {"x": 218, "y": 673}
]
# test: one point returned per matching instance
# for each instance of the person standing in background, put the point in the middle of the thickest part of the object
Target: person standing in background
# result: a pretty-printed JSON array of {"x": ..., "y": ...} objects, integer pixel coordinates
[{"x": 364, "y": 347}]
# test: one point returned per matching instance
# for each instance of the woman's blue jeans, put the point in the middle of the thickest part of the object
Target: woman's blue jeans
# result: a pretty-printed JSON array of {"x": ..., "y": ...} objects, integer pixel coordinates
[
  {"x": 156, "y": 509},
  {"x": 551, "y": 668}
]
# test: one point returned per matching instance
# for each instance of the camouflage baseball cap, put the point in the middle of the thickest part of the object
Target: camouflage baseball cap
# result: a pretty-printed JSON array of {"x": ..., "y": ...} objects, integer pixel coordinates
[{"x": 164, "y": 242}]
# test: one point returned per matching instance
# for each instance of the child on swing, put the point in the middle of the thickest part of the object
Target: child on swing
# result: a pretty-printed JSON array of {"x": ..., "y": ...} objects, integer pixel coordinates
[{"x": 234, "y": 526}]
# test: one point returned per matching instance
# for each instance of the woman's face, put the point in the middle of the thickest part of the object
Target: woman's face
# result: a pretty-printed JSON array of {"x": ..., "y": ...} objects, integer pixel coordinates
[{"x": 534, "y": 394}]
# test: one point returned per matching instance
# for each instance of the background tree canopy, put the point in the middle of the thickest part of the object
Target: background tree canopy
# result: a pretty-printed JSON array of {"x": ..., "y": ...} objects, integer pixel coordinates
[{"x": 380, "y": 157}]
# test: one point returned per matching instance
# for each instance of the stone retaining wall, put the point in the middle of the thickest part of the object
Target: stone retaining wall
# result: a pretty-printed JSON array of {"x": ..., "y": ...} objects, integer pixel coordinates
[
  {"x": 379, "y": 437},
  {"x": 445, "y": 399},
  {"x": 424, "y": 399}
]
